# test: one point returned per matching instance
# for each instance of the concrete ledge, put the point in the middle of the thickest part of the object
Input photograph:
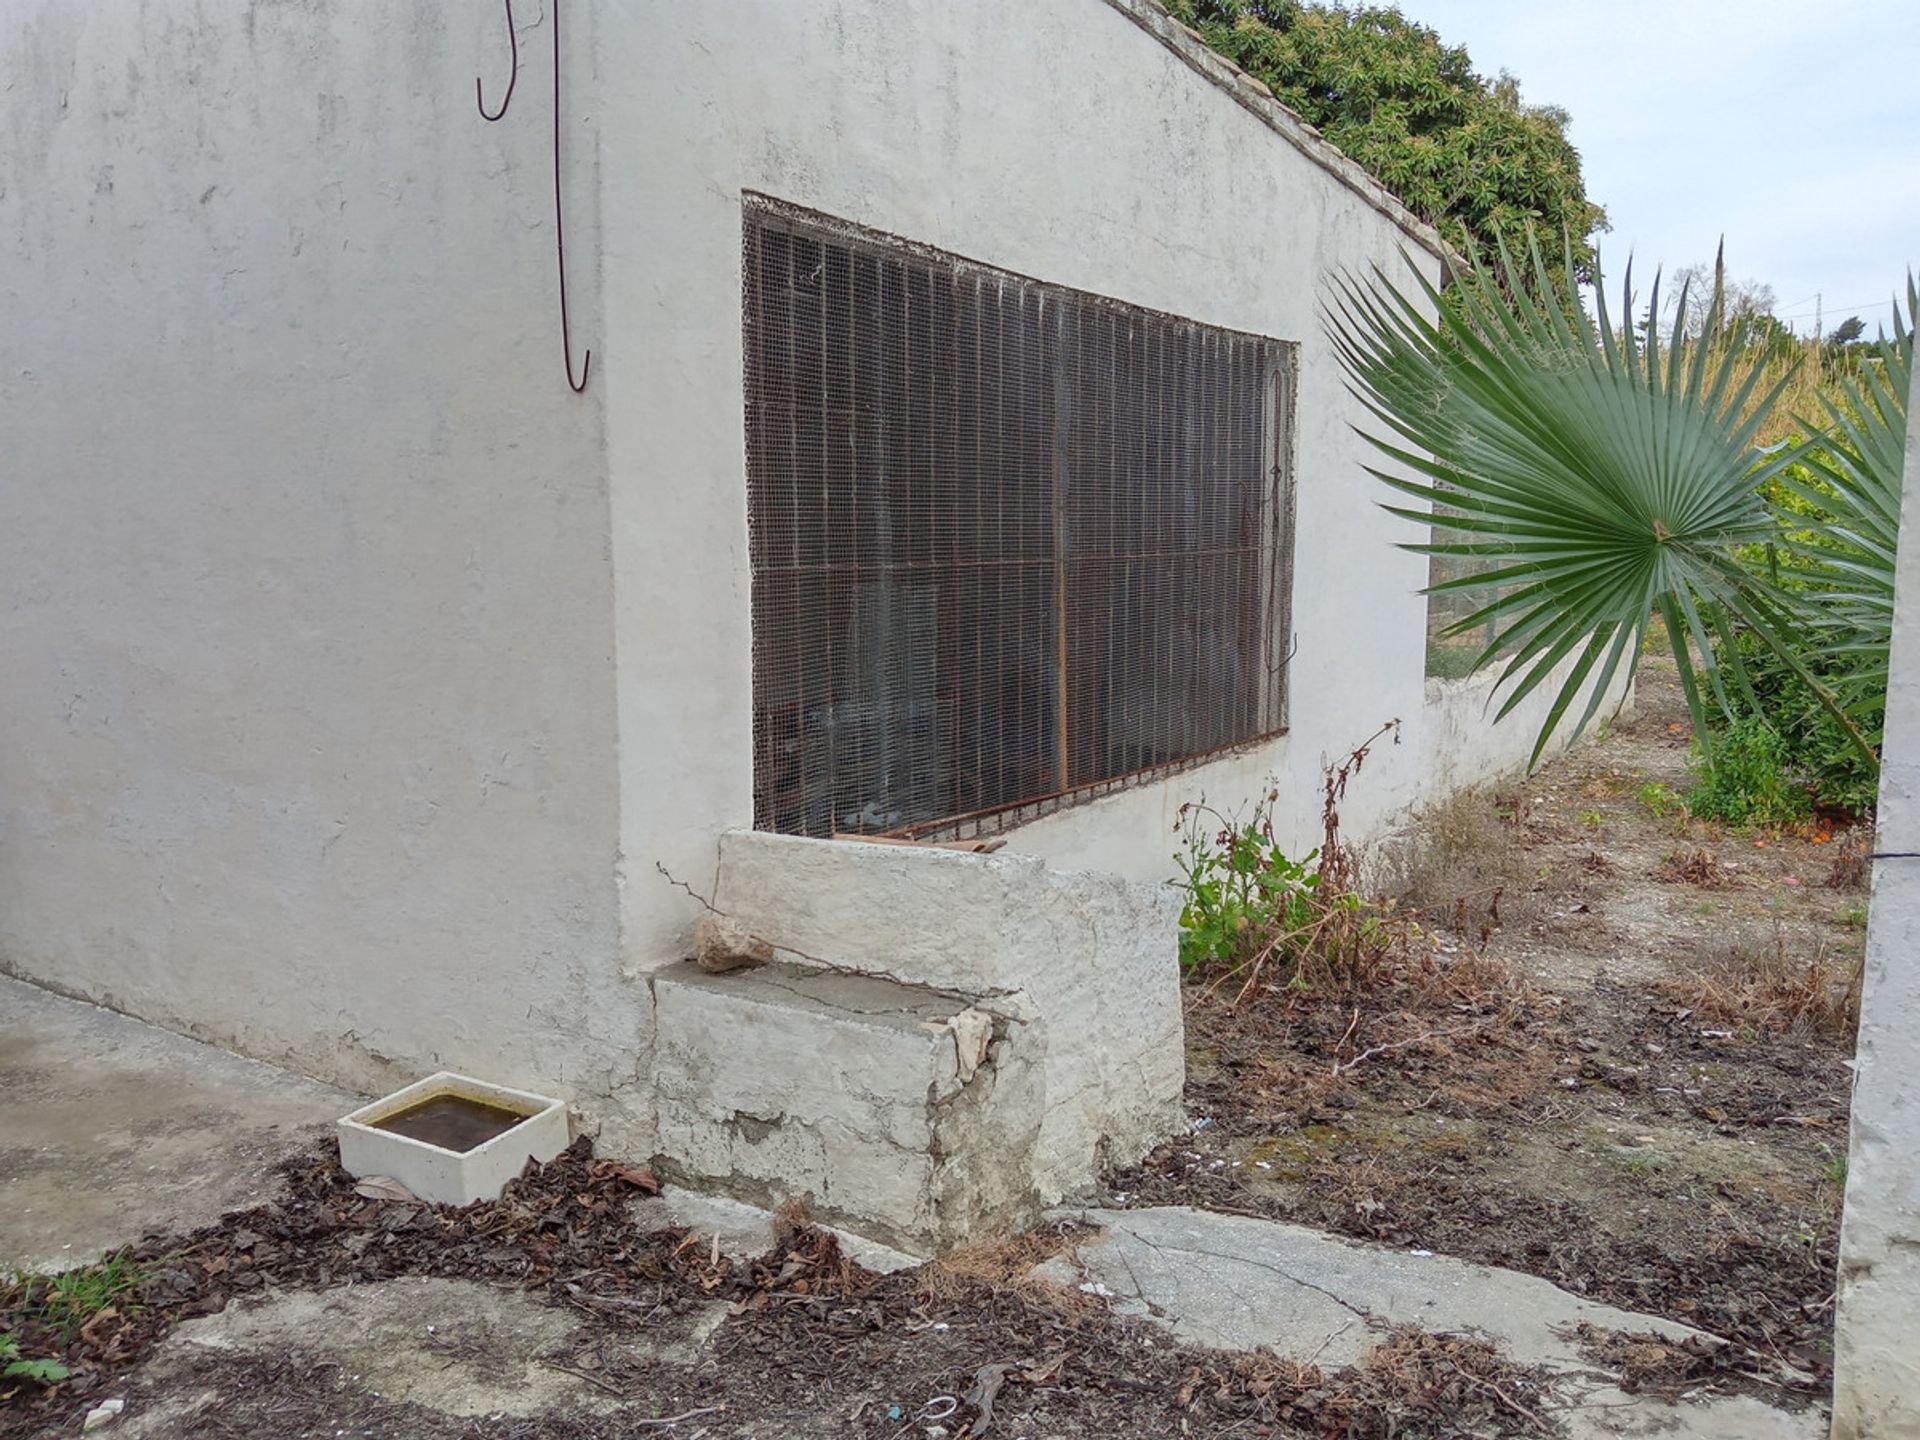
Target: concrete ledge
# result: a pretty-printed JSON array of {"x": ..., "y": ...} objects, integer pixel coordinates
[
  {"x": 848, "y": 1092},
  {"x": 932, "y": 917},
  {"x": 746, "y": 1232},
  {"x": 1092, "y": 958}
]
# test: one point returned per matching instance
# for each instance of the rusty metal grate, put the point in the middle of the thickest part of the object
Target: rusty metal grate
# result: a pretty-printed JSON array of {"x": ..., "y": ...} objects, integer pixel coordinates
[{"x": 1010, "y": 542}]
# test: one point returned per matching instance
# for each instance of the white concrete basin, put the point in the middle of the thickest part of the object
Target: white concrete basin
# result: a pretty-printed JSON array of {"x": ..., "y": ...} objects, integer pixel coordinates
[{"x": 452, "y": 1139}]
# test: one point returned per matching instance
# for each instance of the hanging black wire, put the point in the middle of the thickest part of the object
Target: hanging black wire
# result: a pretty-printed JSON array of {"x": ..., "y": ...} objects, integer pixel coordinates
[
  {"x": 513, "y": 75},
  {"x": 559, "y": 231},
  {"x": 559, "y": 208}
]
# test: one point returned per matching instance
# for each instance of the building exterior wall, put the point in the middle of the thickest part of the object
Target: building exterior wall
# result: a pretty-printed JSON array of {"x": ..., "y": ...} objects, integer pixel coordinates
[
  {"x": 361, "y": 678},
  {"x": 1059, "y": 140},
  {"x": 1876, "y": 1382},
  {"x": 307, "y": 737},
  {"x": 1448, "y": 743}
]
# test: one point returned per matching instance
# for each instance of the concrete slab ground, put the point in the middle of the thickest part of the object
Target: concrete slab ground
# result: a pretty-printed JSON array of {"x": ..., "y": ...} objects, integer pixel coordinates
[
  {"x": 451, "y": 1347},
  {"x": 113, "y": 1128},
  {"x": 1234, "y": 1283}
]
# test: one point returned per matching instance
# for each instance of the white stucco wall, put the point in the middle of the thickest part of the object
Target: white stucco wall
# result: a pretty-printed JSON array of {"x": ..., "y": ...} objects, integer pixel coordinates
[
  {"x": 358, "y": 674},
  {"x": 1059, "y": 140},
  {"x": 307, "y": 735},
  {"x": 1465, "y": 746},
  {"x": 1876, "y": 1386}
]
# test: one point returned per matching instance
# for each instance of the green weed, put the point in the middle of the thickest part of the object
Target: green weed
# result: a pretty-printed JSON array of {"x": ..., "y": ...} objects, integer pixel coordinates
[
  {"x": 70, "y": 1299},
  {"x": 1645, "y": 1164},
  {"x": 1744, "y": 780},
  {"x": 1248, "y": 904},
  {"x": 1658, "y": 801},
  {"x": 14, "y": 1367},
  {"x": 1240, "y": 887}
]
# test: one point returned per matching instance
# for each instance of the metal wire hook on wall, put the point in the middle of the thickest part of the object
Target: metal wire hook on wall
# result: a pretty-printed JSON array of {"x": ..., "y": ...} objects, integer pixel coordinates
[
  {"x": 559, "y": 232},
  {"x": 513, "y": 75},
  {"x": 559, "y": 208}
]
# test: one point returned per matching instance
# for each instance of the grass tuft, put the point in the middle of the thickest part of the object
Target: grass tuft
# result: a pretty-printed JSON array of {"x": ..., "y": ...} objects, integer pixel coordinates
[
  {"x": 67, "y": 1301},
  {"x": 1761, "y": 985}
]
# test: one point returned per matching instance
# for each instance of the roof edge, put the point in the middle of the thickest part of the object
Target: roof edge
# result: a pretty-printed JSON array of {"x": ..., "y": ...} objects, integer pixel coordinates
[{"x": 1253, "y": 96}]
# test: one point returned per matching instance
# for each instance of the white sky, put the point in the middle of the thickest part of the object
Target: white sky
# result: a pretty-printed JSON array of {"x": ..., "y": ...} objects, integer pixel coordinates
[{"x": 1793, "y": 129}]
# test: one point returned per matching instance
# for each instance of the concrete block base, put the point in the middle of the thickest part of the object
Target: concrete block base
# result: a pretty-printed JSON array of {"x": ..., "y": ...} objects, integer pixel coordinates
[
  {"x": 1090, "y": 960},
  {"x": 902, "y": 1111}
]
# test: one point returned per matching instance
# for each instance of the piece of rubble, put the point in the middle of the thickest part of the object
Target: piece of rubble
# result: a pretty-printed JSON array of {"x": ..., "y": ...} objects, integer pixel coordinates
[
  {"x": 721, "y": 944},
  {"x": 972, "y": 1034}
]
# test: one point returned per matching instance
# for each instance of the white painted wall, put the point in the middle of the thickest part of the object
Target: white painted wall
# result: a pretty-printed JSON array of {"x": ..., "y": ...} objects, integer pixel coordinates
[
  {"x": 1449, "y": 743},
  {"x": 307, "y": 735},
  {"x": 1059, "y": 140},
  {"x": 1465, "y": 746},
  {"x": 1876, "y": 1383},
  {"x": 358, "y": 674}
]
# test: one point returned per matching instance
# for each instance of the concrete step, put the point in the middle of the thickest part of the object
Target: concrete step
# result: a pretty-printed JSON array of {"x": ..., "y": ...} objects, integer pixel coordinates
[
  {"x": 1090, "y": 959},
  {"x": 903, "y": 1112}
]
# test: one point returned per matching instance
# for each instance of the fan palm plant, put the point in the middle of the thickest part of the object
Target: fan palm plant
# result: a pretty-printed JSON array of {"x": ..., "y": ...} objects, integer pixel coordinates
[
  {"x": 1592, "y": 478},
  {"x": 1856, "y": 469}
]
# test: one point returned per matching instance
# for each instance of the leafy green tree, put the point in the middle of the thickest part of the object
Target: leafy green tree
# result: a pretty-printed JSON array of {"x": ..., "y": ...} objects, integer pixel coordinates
[
  {"x": 1461, "y": 151},
  {"x": 1847, "y": 331}
]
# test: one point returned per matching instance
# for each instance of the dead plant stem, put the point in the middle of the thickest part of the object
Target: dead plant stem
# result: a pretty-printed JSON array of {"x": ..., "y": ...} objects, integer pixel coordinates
[{"x": 1344, "y": 1067}]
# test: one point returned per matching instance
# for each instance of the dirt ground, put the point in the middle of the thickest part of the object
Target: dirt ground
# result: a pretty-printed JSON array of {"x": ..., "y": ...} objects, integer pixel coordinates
[
  {"x": 1597, "y": 1094},
  {"x": 667, "y": 1336},
  {"x": 1651, "y": 1125}
]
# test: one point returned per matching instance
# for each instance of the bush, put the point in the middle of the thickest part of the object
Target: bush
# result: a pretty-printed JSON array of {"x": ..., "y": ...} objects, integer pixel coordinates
[
  {"x": 1816, "y": 744},
  {"x": 1747, "y": 782}
]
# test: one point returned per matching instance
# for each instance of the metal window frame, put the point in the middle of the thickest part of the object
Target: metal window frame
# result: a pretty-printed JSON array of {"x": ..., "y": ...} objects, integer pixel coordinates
[{"x": 1279, "y": 391}]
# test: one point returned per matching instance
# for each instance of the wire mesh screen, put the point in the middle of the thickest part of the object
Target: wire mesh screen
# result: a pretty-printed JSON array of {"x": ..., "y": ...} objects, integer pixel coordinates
[
  {"x": 1010, "y": 542},
  {"x": 1450, "y": 656}
]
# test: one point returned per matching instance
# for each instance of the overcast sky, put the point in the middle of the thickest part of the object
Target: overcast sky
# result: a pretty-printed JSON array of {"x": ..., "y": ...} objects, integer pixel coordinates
[{"x": 1791, "y": 128}]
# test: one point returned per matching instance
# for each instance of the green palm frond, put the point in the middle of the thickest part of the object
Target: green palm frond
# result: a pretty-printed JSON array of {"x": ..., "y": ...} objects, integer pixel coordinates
[
  {"x": 1858, "y": 469},
  {"x": 1595, "y": 478}
]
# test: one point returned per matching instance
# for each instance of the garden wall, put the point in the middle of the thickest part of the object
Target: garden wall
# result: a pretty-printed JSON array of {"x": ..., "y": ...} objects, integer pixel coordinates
[{"x": 1876, "y": 1383}]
